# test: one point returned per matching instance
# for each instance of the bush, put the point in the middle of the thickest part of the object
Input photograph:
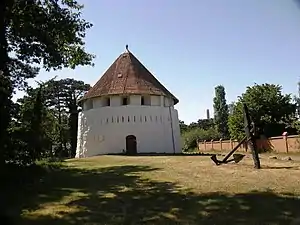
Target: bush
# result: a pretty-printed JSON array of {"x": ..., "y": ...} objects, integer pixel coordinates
[{"x": 190, "y": 137}]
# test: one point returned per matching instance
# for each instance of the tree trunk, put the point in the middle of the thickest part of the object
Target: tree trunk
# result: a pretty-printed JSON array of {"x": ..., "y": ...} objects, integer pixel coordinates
[
  {"x": 36, "y": 126},
  {"x": 60, "y": 151},
  {"x": 73, "y": 130},
  {"x": 60, "y": 134},
  {"x": 5, "y": 82},
  {"x": 251, "y": 138}
]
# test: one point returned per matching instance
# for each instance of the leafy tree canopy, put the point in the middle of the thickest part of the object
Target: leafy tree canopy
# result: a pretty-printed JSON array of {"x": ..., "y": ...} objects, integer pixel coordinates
[
  {"x": 270, "y": 109},
  {"x": 35, "y": 34},
  {"x": 221, "y": 111},
  {"x": 45, "y": 121},
  {"x": 47, "y": 33}
]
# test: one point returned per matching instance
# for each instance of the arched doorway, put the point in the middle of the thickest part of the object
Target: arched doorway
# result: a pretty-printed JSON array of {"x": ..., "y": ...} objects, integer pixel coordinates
[{"x": 131, "y": 148}]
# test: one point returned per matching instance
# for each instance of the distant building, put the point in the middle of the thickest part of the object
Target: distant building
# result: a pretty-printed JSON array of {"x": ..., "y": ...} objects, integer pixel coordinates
[
  {"x": 207, "y": 114},
  {"x": 128, "y": 110}
]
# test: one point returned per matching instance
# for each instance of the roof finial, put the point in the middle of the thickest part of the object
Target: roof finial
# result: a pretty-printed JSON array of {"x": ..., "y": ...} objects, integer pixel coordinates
[{"x": 127, "y": 48}]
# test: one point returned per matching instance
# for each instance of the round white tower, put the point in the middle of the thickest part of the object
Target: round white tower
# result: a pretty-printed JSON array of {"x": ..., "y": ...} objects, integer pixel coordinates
[{"x": 128, "y": 111}]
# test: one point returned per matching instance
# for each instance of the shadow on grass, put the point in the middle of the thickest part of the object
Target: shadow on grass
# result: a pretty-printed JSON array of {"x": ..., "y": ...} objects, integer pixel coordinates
[
  {"x": 164, "y": 154},
  {"x": 121, "y": 195},
  {"x": 281, "y": 167}
]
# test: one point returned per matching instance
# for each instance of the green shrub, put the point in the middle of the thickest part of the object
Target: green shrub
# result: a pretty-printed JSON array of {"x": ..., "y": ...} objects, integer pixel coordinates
[
  {"x": 189, "y": 138},
  {"x": 49, "y": 163}
]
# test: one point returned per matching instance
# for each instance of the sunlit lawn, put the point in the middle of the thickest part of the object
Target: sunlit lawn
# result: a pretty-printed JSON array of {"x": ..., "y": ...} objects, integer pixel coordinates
[{"x": 162, "y": 190}]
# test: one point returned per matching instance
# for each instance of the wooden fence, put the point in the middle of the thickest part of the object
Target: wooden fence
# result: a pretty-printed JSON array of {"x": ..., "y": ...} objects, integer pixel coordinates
[{"x": 279, "y": 144}]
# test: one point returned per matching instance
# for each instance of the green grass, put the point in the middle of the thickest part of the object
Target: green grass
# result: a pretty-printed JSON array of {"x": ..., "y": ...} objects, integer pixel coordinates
[{"x": 158, "y": 190}]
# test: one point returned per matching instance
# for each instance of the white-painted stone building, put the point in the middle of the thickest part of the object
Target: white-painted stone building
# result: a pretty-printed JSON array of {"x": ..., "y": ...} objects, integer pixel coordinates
[{"x": 128, "y": 110}]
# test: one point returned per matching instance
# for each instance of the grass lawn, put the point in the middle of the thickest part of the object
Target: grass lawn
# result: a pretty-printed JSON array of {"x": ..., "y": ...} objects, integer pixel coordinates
[{"x": 160, "y": 190}]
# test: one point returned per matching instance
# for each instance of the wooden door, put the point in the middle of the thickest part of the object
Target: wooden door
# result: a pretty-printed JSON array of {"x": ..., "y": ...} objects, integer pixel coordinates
[{"x": 131, "y": 148}]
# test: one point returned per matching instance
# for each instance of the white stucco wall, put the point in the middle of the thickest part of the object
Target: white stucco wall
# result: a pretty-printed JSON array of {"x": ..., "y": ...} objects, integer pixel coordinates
[
  {"x": 155, "y": 100},
  {"x": 135, "y": 100},
  {"x": 103, "y": 130}
]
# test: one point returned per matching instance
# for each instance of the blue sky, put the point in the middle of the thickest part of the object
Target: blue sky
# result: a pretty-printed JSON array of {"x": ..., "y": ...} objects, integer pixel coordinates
[{"x": 193, "y": 45}]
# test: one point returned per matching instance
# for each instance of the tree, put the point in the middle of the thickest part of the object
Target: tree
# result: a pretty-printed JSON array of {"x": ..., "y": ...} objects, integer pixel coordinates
[
  {"x": 63, "y": 95},
  {"x": 56, "y": 103},
  {"x": 37, "y": 32},
  {"x": 231, "y": 108},
  {"x": 45, "y": 122},
  {"x": 190, "y": 137},
  {"x": 183, "y": 127},
  {"x": 60, "y": 116},
  {"x": 36, "y": 128},
  {"x": 205, "y": 123},
  {"x": 29, "y": 129},
  {"x": 271, "y": 111},
  {"x": 297, "y": 101},
  {"x": 221, "y": 111}
]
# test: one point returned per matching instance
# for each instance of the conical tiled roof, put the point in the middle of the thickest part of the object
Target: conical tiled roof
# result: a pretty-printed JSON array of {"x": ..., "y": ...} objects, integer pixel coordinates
[{"x": 127, "y": 75}]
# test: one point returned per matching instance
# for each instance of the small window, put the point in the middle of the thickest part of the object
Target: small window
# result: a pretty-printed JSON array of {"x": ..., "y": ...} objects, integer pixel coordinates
[
  {"x": 142, "y": 100},
  {"x": 125, "y": 101},
  {"x": 107, "y": 101},
  {"x": 145, "y": 100}
]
